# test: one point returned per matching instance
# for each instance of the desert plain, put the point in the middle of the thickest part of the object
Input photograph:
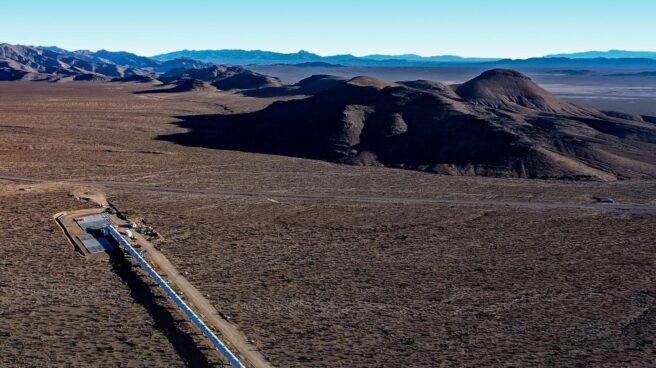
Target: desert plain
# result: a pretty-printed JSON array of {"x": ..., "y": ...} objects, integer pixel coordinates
[{"x": 318, "y": 264}]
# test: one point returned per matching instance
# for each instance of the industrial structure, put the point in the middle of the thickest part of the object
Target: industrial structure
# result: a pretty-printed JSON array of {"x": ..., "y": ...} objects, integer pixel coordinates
[
  {"x": 114, "y": 234},
  {"x": 94, "y": 222},
  {"x": 95, "y": 233},
  {"x": 95, "y": 244}
]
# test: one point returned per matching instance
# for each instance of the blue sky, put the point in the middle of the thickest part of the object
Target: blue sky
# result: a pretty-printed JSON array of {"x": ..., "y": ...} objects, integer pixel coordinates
[{"x": 502, "y": 28}]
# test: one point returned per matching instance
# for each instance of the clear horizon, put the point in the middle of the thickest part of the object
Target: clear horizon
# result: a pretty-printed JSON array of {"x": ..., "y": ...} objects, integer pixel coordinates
[{"x": 475, "y": 28}]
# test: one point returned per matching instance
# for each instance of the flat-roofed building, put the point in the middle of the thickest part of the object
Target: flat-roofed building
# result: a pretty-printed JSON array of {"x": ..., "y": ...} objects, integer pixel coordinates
[
  {"x": 95, "y": 244},
  {"x": 94, "y": 222}
]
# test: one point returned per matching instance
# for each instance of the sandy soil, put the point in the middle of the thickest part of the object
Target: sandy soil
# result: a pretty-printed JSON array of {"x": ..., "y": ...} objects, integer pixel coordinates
[
  {"x": 312, "y": 281},
  {"x": 59, "y": 309},
  {"x": 332, "y": 284}
]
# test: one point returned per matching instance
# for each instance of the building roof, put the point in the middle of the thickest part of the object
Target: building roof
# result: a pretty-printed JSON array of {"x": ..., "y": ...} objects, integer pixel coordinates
[
  {"x": 95, "y": 244},
  {"x": 94, "y": 222}
]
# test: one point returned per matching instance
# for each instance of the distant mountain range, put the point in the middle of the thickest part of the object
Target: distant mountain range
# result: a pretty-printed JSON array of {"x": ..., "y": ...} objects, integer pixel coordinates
[
  {"x": 438, "y": 59},
  {"x": 51, "y": 63},
  {"x": 611, "y": 54},
  {"x": 18, "y": 62},
  {"x": 575, "y": 63},
  {"x": 498, "y": 124},
  {"x": 257, "y": 57}
]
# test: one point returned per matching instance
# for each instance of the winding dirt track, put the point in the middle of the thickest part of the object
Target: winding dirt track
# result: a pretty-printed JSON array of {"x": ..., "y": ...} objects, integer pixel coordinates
[{"x": 137, "y": 187}]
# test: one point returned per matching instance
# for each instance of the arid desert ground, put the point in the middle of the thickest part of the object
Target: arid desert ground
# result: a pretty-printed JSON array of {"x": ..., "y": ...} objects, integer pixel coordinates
[{"x": 319, "y": 264}]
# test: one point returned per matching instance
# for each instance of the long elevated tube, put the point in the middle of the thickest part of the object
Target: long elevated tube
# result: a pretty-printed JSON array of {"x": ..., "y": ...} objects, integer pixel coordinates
[{"x": 176, "y": 298}]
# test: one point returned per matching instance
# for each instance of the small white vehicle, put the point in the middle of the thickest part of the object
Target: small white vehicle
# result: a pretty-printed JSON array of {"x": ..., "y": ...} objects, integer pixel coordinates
[{"x": 130, "y": 234}]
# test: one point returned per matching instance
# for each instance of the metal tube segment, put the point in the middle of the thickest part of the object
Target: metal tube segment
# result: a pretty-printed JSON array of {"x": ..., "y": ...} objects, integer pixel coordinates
[{"x": 176, "y": 298}]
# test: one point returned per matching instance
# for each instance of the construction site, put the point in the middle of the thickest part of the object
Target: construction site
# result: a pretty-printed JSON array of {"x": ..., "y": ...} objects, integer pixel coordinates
[{"x": 105, "y": 232}]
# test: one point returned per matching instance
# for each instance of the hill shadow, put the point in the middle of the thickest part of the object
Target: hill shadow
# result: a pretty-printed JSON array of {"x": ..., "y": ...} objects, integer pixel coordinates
[
  {"x": 201, "y": 130},
  {"x": 179, "y": 88},
  {"x": 248, "y": 132},
  {"x": 283, "y": 91}
]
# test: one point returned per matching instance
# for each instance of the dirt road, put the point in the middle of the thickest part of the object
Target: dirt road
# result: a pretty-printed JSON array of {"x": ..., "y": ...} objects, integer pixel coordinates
[
  {"x": 235, "y": 339},
  {"x": 605, "y": 207}
]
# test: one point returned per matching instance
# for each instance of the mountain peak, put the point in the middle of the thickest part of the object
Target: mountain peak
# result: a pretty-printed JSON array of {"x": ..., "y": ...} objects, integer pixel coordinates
[
  {"x": 364, "y": 81},
  {"x": 501, "y": 73},
  {"x": 610, "y": 54},
  {"x": 509, "y": 89},
  {"x": 488, "y": 129}
]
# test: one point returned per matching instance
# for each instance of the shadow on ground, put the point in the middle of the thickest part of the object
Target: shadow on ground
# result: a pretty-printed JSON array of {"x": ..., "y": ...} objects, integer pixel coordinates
[
  {"x": 143, "y": 294},
  {"x": 248, "y": 132}
]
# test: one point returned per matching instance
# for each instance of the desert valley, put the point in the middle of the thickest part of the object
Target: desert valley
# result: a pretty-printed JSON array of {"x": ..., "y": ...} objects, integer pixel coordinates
[{"x": 327, "y": 215}]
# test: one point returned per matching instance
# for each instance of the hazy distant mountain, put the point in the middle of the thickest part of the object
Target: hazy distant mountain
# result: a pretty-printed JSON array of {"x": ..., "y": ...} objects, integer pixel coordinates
[
  {"x": 242, "y": 57},
  {"x": 54, "y": 48},
  {"x": 611, "y": 54},
  {"x": 221, "y": 77},
  {"x": 258, "y": 57},
  {"x": 637, "y": 75},
  {"x": 439, "y": 59},
  {"x": 34, "y": 63},
  {"x": 53, "y": 63},
  {"x": 611, "y": 59},
  {"x": 317, "y": 64},
  {"x": 567, "y": 63},
  {"x": 136, "y": 61}
]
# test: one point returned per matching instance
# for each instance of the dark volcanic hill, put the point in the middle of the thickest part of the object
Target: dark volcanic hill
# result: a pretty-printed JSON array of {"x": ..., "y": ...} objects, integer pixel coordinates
[
  {"x": 308, "y": 86},
  {"x": 180, "y": 86},
  {"x": 508, "y": 89},
  {"x": 223, "y": 77},
  {"x": 498, "y": 124}
]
